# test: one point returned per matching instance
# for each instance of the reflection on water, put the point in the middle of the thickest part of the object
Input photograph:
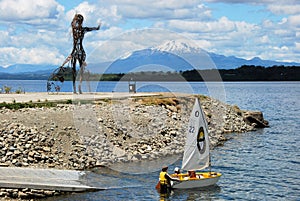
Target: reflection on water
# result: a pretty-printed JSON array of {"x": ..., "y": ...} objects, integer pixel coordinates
[
  {"x": 144, "y": 166},
  {"x": 207, "y": 193}
]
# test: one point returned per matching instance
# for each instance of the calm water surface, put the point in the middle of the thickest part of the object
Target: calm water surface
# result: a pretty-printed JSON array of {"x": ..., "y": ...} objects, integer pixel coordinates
[{"x": 260, "y": 165}]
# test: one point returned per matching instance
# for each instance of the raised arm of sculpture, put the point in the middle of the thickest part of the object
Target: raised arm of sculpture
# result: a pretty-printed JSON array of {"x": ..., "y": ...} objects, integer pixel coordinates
[{"x": 87, "y": 29}]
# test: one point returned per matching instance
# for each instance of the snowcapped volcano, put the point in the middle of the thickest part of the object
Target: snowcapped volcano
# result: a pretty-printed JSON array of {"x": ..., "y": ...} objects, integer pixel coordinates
[
  {"x": 149, "y": 59},
  {"x": 178, "y": 46},
  {"x": 172, "y": 55}
]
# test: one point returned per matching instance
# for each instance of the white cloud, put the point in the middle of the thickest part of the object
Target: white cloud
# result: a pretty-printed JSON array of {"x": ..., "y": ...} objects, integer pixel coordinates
[
  {"x": 30, "y": 56},
  {"x": 5, "y": 38},
  {"x": 29, "y": 10},
  {"x": 36, "y": 40},
  {"x": 278, "y": 7},
  {"x": 94, "y": 14},
  {"x": 297, "y": 47},
  {"x": 284, "y": 8},
  {"x": 264, "y": 39},
  {"x": 220, "y": 26},
  {"x": 204, "y": 44},
  {"x": 171, "y": 4},
  {"x": 221, "y": 34},
  {"x": 294, "y": 21},
  {"x": 84, "y": 8},
  {"x": 158, "y": 9},
  {"x": 107, "y": 34}
]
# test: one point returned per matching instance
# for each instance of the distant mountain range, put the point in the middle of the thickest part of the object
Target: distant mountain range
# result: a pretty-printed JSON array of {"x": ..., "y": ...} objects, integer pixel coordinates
[
  {"x": 181, "y": 56},
  {"x": 170, "y": 56},
  {"x": 24, "y": 68}
]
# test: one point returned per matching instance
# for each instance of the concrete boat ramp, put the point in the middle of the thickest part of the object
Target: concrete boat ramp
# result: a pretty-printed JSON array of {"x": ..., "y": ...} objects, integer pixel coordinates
[{"x": 49, "y": 179}]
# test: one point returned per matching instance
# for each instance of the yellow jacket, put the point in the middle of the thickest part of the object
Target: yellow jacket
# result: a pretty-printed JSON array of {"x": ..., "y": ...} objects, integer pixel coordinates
[{"x": 162, "y": 178}]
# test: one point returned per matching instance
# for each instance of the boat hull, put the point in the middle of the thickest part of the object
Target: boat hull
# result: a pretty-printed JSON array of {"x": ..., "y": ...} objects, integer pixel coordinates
[{"x": 206, "y": 179}]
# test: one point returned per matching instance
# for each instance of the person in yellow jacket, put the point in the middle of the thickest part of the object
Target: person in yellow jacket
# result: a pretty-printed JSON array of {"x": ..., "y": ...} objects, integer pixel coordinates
[{"x": 165, "y": 180}]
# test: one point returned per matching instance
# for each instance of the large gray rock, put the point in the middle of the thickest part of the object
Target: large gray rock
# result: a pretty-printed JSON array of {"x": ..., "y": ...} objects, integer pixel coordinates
[{"x": 256, "y": 119}]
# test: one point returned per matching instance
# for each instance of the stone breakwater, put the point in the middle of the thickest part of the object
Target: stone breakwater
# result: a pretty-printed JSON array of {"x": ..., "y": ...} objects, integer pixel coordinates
[{"x": 81, "y": 136}]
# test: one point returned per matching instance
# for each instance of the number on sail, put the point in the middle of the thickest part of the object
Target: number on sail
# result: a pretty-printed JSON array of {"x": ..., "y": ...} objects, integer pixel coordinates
[{"x": 192, "y": 129}]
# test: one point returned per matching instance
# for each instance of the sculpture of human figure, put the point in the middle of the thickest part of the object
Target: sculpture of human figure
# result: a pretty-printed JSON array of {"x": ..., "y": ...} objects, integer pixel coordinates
[{"x": 78, "y": 53}]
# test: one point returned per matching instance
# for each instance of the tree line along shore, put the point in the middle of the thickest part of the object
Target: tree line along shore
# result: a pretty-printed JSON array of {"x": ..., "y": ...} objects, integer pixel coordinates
[{"x": 243, "y": 73}]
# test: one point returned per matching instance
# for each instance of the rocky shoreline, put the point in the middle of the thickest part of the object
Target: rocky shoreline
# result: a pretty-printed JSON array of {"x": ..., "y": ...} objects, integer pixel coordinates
[{"x": 105, "y": 132}]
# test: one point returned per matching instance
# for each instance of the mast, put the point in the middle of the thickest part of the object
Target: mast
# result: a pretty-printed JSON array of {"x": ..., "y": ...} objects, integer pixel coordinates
[{"x": 209, "y": 163}]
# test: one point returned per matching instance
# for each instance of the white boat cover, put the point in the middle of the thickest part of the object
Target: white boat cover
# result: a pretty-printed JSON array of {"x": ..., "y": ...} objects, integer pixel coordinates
[{"x": 196, "y": 151}]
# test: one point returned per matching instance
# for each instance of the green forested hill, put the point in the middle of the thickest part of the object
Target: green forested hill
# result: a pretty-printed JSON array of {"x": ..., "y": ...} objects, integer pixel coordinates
[{"x": 248, "y": 73}]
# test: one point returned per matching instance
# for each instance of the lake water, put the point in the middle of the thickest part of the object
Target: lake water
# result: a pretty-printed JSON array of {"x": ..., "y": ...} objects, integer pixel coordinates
[{"x": 260, "y": 165}]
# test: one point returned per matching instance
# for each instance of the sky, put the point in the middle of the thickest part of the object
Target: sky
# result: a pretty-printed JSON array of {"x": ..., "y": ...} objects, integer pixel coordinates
[{"x": 38, "y": 32}]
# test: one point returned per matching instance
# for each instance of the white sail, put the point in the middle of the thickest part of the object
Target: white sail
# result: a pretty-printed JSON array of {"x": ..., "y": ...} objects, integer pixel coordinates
[{"x": 196, "y": 151}]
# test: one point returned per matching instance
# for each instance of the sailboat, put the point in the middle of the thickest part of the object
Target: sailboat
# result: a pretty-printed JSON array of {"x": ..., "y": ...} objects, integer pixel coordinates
[{"x": 196, "y": 155}]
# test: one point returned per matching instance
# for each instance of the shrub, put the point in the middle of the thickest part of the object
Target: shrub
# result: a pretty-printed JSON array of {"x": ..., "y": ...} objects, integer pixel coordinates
[
  {"x": 19, "y": 90},
  {"x": 7, "y": 89}
]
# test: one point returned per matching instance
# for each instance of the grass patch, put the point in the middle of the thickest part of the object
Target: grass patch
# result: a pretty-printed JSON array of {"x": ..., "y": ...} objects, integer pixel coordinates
[
  {"x": 160, "y": 101},
  {"x": 69, "y": 101},
  {"x": 16, "y": 106},
  {"x": 39, "y": 104},
  {"x": 202, "y": 97}
]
